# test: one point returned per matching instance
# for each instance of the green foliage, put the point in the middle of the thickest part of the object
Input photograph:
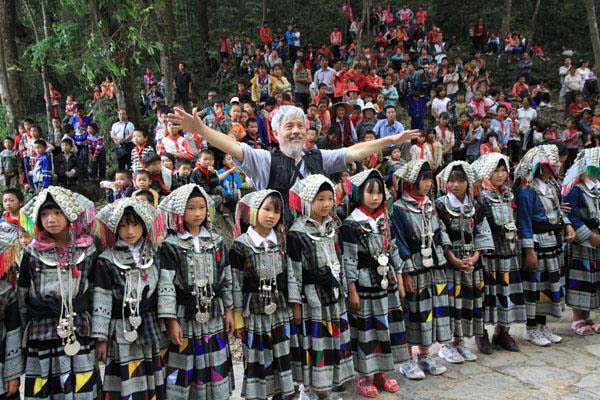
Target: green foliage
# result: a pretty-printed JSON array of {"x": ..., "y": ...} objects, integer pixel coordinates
[{"x": 4, "y": 129}]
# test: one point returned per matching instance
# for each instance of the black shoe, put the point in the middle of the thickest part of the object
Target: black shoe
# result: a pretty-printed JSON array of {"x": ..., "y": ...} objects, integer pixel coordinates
[
  {"x": 483, "y": 343},
  {"x": 505, "y": 341}
]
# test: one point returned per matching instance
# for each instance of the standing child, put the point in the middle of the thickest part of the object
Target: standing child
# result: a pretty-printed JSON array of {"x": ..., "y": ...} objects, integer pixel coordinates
[
  {"x": 373, "y": 272},
  {"x": 260, "y": 295},
  {"x": 9, "y": 163},
  {"x": 128, "y": 278},
  {"x": 580, "y": 187},
  {"x": 198, "y": 359},
  {"x": 541, "y": 223},
  {"x": 68, "y": 168},
  {"x": 231, "y": 182},
  {"x": 504, "y": 301},
  {"x": 420, "y": 237},
  {"x": 140, "y": 149},
  {"x": 96, "y": 152},
  {"x": 54, "y": 291},
  {"x": 318, "y": 294},
  {"x": 41, "y": 176},
  {"x": 12, "y": 201},
  {"x": 470, "y": 235},
  {"x": 11, "y": 366}
]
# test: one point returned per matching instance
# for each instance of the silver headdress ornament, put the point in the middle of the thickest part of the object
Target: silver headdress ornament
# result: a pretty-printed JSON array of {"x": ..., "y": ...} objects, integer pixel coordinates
[
  {"x": 547, "y": 153},
  {"x": 444, "y": 175},
  {"x": 304, "y": 192},
  {"x": 172, "y": 207},
  {"x": 485, "y": 165}
]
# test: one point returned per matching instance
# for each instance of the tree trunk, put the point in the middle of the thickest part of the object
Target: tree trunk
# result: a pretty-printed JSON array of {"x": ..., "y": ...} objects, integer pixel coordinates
[
  {"x": 203, "y": 42},
  {"x": 506, "y": 18},
  {"x": 44, "y": 67},
  {"x": 264, "y": 12},
  {"x": 5, "y": 98},
  {"x": 10, "y": 58},
  {"x": 165, "y": 32},
  {"x": 536, "y": 11},
  {"x": 361, "y": 27},
  {"x": 590, "y": 9}
]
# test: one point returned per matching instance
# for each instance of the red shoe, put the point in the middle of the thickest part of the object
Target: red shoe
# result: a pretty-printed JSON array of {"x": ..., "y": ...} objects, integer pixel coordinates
[
  {"x": 383, "y": 382},
  {"x": 366, "y": 389}
]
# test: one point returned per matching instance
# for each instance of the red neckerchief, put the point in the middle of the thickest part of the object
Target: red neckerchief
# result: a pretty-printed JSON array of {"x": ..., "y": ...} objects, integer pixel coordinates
[
  {"x": 139, "y": 150},
  {"x": 254, "y": 139},
  {"x": 158, "y": 179},
  {"x": 204, "y": 171},
  {"x": 219, "y": 118},
  {"x": 374, "y": 215},
  {"x": 308, "y": 145},
  {"x": 422, "y": 147},
  {"x": 419, "y": 199},
  {"x": 501, "y": 124},
  {"x": 443, "y": 131},
  {"x": 9, "y": 219}
]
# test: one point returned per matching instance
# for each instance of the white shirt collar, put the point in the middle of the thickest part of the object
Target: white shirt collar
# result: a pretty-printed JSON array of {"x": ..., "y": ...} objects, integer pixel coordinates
[
  {"x": 204, "y": 233},
  {"x": 258, "y": 240},
  {"x": 592, "y": 184},
  {"x": 360, "y": 216},
  {"x": 540, "y": 185},
  {"x": 134, "y": 249},
  {"x": 456, "y": 203}
]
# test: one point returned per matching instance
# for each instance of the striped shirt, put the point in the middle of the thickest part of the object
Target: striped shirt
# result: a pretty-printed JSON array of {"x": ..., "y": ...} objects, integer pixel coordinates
[{"x": 95, "y": 144}]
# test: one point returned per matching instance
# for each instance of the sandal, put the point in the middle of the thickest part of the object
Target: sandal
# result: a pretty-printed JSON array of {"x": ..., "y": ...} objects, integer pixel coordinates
[
  {"x": 385, "y": 383},
  {"x": 366, "y": 388},
  {"x": 581, "y": 328},
  {"x": 595, "y": 327}
]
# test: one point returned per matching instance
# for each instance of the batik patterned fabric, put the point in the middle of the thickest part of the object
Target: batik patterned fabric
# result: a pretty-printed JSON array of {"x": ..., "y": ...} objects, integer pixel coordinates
[
  {"x": 201, "y": 367},
  {"x": 9, "y": 244},
  {"x": 322, "y": 357},
  {"x": 540, "y": 226},
  {"x": 377, "y": 328},
  {"x": 11, "y": 358},
  {"x": 583, "y": 272},
  {"x": 504, "y": 299},
  {"x": 49, "y": 373},
  {"x": 426, "y": 314},
  {"x": 133, "y": 370},
  {"x": 266, "y": 347}
]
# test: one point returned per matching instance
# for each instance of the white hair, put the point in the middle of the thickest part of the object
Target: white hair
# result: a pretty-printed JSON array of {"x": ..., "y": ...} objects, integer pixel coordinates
[{"x": 284, "y": 114}]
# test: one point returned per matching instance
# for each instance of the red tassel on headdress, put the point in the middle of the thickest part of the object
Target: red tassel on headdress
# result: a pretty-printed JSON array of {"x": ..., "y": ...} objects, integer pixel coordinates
[{"x": 295, "y": 202}]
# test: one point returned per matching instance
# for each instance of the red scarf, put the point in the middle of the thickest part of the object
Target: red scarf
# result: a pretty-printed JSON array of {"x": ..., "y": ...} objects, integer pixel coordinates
[
  {"x": 373, "y": 215},
  {"x": 205, "y": 172},
  {"x": 139, "y": 150},
  {"x": 9, "y": 219},
  {"x": 422, "y": 147},
  {"x": 158, "y": 179}
]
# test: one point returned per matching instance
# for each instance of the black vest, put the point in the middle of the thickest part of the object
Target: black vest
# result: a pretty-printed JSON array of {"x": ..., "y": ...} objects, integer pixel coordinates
[{"x": 284, "y": 173}]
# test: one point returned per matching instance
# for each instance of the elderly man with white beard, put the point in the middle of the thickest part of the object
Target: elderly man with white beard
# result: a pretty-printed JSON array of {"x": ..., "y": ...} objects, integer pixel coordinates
[{"x": 279, "y": 169}]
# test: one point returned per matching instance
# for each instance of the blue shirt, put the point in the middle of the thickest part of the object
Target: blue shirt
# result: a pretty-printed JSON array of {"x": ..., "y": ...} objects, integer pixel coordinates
[
  {"x": 231, "y": 182},
  {"x": 289, "y": 36},
  {"x": 383, "y": 128}
]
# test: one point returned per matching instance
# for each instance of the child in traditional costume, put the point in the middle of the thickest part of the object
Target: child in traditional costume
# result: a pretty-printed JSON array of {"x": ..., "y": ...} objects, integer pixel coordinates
[
  {"x": 318, "y": 293},
  {"x": 260, "y": 285},
  {"x": 373, "y": 272},
  {"x": 504, "y": 302},
  {"x": 127, "y": 284},
  {"x": 420, "y": 236},
  {"x": 12, "y": 201},
  {"x": 581, "y": 188},
  {"x": 470, "y": 235},
  {"x": 55, "y": 293},
  {"x": 541, "y": 224},
  {"x": 198, "y": 360},
  {"x": 11, "y": 359}
]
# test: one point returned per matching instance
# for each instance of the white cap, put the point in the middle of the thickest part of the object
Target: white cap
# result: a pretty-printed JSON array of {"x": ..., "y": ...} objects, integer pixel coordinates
[
  {"x": 234, "y": 100},
  {"x": 368, "y": 106}
]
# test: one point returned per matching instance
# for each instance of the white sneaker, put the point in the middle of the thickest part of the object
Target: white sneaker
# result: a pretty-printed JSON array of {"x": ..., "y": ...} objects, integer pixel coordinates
[
  {"x": 536, "y": 337},
  {"x": 467, "y": 354},
  {"x": 411, "y": 370},
  {"x": 552, "y": 337},
  {"x": 428, "y": 364},
  {"x": 449, "y": 353}
]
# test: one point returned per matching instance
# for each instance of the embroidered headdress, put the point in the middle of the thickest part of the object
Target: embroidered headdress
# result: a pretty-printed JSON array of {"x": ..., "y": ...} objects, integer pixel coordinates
[
  {"x": 353, "y": 184},
  {"x": 246, "y": 212},
  {"x": 587, "y": 163},
  {"x": 485, "y": 165},
  {"x": 304, "y": 192},
  {"x": 539, "y": 155},
  {"x": 111, "y": 215},
  {"x": 444, "y": 175},
  {"x": 78, "y": 209},
  {"x": 172, "y": 207}
]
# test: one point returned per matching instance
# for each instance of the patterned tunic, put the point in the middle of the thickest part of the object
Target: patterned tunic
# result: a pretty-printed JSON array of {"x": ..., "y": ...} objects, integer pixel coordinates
[
  {"x": 583, "y": 272},
  {"x": 201, "y": 368},
  {"x": 504, "y": 300},
  {"x": 133, "y": 370},
  {"x": 323, "y": 356},
  {"x": 11, "y": 359},
  {"x": 49, "y": 373},
  {"x": 468, "y": 231},
  {"x": 377, "y": 328},
  {"x": 427, "y": 313},
  {"x": 540, "y": 223},
  {"x": 267, "y": 357}
]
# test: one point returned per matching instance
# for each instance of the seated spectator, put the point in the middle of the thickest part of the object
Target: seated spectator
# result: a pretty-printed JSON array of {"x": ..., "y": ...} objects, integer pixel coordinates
[
  {"x": 230, "y": 181},
  {"x": 206, "y": 176},
  {"x": 520, "y": 89},
  {"x": 183, "y": 174},
  {"x": 490, "y": 145},
  {"x": 577, "y": 106},
  {"x": 161, "y": 179},
  {"x": 121, "y": 187}
]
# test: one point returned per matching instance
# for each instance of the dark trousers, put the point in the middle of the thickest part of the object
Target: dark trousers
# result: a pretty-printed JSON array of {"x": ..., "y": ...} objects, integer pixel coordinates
[
  {"x": 124, "y": 155},
  {"x": 97, "y": 167}
]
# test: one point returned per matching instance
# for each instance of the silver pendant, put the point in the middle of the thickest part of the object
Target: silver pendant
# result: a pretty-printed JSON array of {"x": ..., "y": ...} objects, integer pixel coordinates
[
  {"x": 72, "y": 346},
  {"x": 202, "y": 317},
  {"x": 427, "y": 262},
  {"x": 426, "y": 252},
  {"x": 130, "y": 336},
  {"x": 382, "y": 269},
  {"x": 270, "y": 308},
  {"x": 383, "y": 260},
  {"x": 201, "y": 282},
  {"x": 135, "y": 321},
  {"x": 384, "y": 283},
  {"x": 62, "y": 330}
]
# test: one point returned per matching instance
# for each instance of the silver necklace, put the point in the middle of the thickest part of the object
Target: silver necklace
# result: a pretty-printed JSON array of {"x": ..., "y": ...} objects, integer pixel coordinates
[
  {"x": 66, "y": 324},
  {"x": 426, "y": 234},
  {"x": 202, "y": 280},
  {"x": 267, "y": 279}
]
